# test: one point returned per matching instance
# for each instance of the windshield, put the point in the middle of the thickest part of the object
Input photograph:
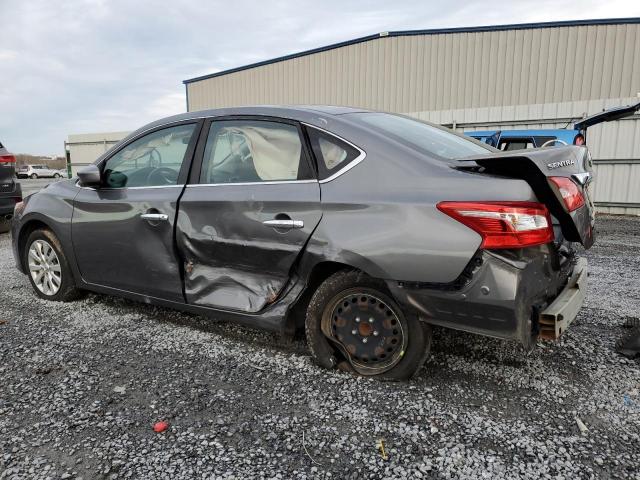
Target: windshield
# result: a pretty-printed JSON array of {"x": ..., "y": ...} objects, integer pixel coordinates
[{"x": 421, "y": 136}]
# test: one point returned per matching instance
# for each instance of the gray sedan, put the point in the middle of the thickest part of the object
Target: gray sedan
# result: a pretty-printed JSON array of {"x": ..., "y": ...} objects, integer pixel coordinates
[{"x": 362, "y": 228}]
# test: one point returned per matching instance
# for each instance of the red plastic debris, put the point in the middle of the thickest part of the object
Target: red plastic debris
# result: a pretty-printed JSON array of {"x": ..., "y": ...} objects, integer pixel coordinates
[{"x": 160, "y": 427}]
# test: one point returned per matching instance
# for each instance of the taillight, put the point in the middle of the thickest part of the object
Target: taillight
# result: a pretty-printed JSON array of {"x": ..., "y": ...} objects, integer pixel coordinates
[
  {"x": 7, "y": 159},
  {"x": 504, "y": 224},
  {"x": 571, "y": 194}
]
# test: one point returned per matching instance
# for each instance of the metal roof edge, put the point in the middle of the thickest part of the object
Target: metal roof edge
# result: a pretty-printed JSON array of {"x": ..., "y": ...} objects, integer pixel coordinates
[{"x": 433, "y": 31}]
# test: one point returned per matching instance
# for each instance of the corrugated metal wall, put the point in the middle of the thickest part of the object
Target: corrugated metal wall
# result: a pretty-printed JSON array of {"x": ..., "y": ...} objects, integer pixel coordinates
[
  {"x": 615, "y": 146},
  {"x": 526, "y": 78},
  {"x": 444, "y": 71}
]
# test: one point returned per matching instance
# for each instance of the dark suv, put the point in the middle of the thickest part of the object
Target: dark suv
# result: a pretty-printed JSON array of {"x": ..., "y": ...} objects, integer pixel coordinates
[{"x": 10, "y": 191}]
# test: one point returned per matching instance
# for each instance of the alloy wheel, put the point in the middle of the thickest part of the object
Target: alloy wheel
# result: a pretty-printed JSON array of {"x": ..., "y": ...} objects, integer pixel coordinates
[
  {"x": 45, "y": 268},
  {"x": 369, "y": 331}
]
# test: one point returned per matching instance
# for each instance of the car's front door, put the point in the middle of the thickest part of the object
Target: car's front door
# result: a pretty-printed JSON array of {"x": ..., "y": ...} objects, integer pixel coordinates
[
  {"x": 247, "y": 214},
  {"x": 123, "y": 231}
]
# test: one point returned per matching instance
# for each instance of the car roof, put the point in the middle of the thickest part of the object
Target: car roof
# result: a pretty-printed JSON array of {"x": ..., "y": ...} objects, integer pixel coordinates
[{"x": 308, "y": 113}]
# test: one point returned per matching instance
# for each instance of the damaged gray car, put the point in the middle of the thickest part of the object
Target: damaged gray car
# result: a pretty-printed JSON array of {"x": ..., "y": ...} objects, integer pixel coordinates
[{"x": 362, "y": 228}]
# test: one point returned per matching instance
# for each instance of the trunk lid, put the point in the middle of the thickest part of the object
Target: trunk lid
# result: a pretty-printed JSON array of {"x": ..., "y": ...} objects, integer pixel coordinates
[
  {"x": 536, "y": 166},
  {"x": 614, "y": 113}
]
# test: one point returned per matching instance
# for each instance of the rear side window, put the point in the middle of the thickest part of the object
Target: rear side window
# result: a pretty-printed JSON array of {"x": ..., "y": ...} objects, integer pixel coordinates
[
  {"x": 253, "y": 151},
  {"x": 332, "y": 153}
]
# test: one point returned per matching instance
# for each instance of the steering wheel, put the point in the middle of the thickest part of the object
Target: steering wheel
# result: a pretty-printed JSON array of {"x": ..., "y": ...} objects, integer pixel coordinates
[
  {"x": 552, "y": 141},
  {"x": 162, "y": 176},
  {"x": 155, "y": 159}
]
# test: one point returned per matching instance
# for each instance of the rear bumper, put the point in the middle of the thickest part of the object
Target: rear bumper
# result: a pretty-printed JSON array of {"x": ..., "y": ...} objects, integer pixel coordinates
[
  {"x": 557, "y": 317},
  {"x": 502, "y": 295}
]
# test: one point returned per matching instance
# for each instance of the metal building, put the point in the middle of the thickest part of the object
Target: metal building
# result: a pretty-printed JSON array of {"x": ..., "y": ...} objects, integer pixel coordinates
[
  {"x": 82, "y": 149},
  {"x": 540, "y": 75}
]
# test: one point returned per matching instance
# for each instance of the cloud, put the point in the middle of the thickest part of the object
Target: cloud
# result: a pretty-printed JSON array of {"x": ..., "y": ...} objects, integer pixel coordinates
[{"x": 73, "y": 66}]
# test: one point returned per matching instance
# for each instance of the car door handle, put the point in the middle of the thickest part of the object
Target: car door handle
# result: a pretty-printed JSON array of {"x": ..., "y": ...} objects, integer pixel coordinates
[
  {"x": 155, "y": 217},
  {"x": 284, "y": 224}
]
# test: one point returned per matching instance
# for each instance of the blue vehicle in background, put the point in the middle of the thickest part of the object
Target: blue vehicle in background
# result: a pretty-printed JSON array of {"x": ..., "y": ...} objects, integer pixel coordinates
[{"x": 537, "y": 138}]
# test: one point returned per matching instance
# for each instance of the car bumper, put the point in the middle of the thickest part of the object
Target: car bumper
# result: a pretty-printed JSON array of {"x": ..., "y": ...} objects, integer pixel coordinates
[
  {"x": 503, "y": 296},
  {"x": 7, "y": 206},
  {"x": 557, "y": 317}
]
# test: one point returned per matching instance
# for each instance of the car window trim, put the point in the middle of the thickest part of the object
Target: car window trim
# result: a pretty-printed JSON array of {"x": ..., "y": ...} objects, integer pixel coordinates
[
  {"x": 185, "y": 167},
  {"x": 361, "y": 156},
  {"x": 194, "y": 175},
  {"x": 268, "y": 182}
]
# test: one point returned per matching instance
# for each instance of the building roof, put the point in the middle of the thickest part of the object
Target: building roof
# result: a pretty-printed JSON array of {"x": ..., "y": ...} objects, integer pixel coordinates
[{"x": 433, "y": 31}]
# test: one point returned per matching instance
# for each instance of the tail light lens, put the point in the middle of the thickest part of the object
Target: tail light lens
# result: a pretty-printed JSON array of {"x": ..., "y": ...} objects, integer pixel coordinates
[
  {"x": 7, "y": 159},
  {"x": 571, "y": 194},
  {"x": 504, "y": 224}
]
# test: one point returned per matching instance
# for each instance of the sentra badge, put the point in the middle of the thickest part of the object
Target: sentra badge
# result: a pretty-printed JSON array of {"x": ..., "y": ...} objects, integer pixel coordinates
[{"x": 564, "y": 163}]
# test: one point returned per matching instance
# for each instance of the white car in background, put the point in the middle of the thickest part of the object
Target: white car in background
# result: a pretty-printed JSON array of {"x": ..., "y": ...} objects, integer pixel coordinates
[{"x": 39, "y": 171}]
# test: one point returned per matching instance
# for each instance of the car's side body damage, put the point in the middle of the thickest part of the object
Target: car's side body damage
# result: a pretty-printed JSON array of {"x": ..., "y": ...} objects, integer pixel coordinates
[{"x": 380, "y": 217}]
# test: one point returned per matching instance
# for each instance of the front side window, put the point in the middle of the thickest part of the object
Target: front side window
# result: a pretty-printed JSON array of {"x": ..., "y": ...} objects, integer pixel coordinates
[
  {"x": 421, "y": 136},
  {"x": 253, "y": 151},
  {"x": 150, "y": 161}
]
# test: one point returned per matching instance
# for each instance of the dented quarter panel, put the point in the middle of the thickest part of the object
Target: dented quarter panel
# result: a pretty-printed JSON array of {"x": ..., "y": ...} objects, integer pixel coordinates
[{"x": 388, "y": 225}]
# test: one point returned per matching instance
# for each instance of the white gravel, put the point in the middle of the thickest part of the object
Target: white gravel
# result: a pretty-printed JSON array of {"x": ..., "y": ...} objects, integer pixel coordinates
[{"x": 82, "y": 384}]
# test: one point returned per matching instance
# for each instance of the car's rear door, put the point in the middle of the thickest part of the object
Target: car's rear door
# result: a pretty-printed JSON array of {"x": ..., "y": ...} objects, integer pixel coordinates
[
  {"x": 248, "y": 212},
  {"x": 123, "y": 232}
]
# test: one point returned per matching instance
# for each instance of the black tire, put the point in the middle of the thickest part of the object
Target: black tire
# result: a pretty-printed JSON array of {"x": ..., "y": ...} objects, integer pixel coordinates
[
  {"x": 34, "y": 176},
  {"x": 67, "y": 290},
  {"x": 56, "y": 175},
  {"x": 330, "y": 352}
]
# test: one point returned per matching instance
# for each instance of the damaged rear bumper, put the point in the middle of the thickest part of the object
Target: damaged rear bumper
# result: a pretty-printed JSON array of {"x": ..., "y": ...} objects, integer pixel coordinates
[
  {"x": 557, "y": 317},
  {"x": 503, "y": 295}
]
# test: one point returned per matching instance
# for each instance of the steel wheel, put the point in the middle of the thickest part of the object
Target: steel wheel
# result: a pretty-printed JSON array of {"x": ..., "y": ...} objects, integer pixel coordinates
[
  {"x": 368, "y": 330},
  {"x": 44, "y": 267}
]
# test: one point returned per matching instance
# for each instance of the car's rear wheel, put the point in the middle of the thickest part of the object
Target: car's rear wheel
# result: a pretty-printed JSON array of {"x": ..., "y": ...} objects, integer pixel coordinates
[
  {"x": 48, "y": 268},
  {"x": 56, "y": 175},
  {"x": 353, "y": 323},
  {"x": 34, "y": 176}
]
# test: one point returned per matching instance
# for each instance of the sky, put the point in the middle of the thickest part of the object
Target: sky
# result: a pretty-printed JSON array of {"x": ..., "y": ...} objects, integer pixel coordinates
[{"x": 80, "y": 66}]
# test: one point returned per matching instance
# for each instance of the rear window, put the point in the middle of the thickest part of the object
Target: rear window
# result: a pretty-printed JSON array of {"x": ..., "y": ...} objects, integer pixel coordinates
[{"x": 421, "y": 136}]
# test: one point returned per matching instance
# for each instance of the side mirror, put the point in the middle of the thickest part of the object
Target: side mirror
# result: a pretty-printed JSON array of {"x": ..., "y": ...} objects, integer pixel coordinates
[{"x": 90, "y": 176}]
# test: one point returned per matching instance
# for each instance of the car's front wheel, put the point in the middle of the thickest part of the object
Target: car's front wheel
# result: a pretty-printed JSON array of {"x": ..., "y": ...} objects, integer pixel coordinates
[
  {"x": 56, "y": 175},
  {"x": 354, "y": 324},
  {"x": 48, "y": 268},
  {"x": 34, "y": 176}
]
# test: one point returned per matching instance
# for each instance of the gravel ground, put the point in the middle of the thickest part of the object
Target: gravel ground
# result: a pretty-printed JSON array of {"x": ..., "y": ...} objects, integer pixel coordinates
[{"x": 81, "y": 385}]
